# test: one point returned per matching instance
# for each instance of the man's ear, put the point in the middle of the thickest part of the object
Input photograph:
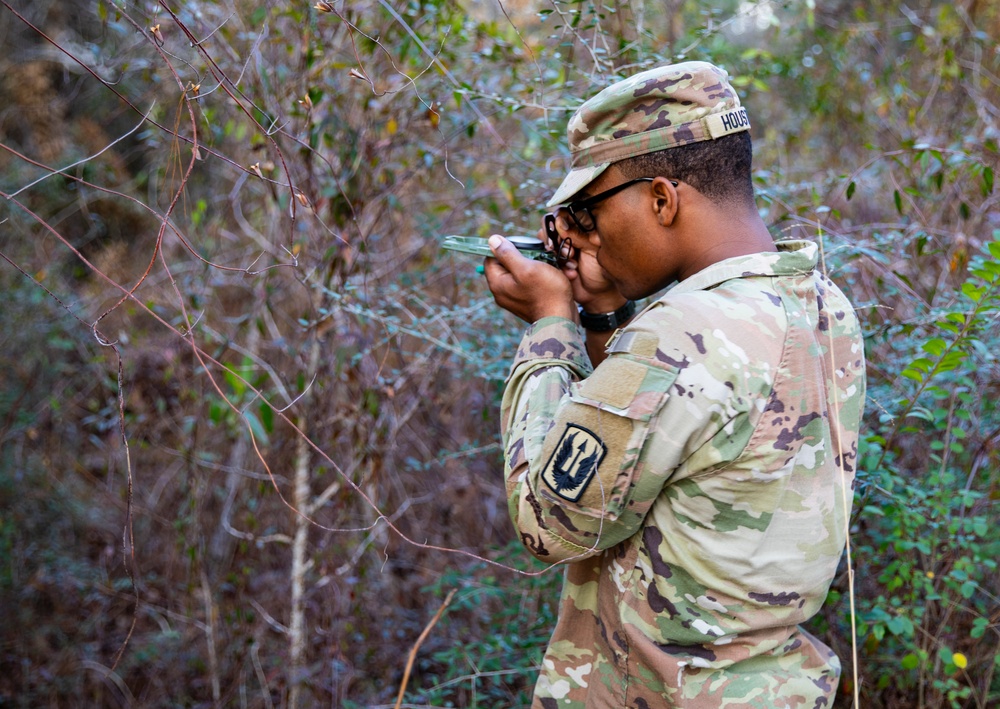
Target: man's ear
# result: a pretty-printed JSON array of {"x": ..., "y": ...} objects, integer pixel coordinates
[{"x": 664, "y": 200}]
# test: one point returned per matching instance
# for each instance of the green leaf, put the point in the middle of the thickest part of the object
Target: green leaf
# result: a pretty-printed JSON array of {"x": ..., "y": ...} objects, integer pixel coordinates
[
  {"x": 909, "y": 661},
  {"x": 267, "y": 417},
  {"x": 921, "y": 364},
  {"x": 900, "y": 626},
  {"x": 973, "y": 293},
  {"x": 234, "y": 381},
  {"x": 935, "y": 347},
  {"x": 898, "y": 199},
  {"x": 255, "y": 425},
  {"x": 215, "y": 411},
  {"x": 951, "y": 361},
  {"x": 850, "y": 190},
  {"x": 987, "y": 181},
  {"x": 922, "y": 413},
  {"x": 979, "y": 626}
]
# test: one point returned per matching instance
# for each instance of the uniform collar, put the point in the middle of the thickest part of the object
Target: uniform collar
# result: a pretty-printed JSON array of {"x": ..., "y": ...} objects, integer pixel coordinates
[{"x": 793, "y": 258}]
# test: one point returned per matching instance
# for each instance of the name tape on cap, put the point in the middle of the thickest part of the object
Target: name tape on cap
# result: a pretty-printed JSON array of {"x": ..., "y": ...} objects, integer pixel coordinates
[{"x": 720, "y": 124}]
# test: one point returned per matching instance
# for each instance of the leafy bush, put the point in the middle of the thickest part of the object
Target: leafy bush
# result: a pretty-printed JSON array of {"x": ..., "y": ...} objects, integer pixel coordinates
[
  {"x": 927, "y": 561},
  {"x": 490, "y": 643}
]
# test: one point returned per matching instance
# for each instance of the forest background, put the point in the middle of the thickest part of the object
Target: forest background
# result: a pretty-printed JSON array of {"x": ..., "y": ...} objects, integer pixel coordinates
[{"x": 248, "y": 406}]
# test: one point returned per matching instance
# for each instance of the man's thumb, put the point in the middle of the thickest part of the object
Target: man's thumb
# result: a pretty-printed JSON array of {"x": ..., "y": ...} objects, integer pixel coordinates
[
  {"x": 503, "y": 250},
  {"x": 496, "y": 243}
]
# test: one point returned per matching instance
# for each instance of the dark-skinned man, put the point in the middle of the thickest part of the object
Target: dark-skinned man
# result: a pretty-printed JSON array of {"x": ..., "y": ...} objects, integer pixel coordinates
[{"x": 690, "y": 464}]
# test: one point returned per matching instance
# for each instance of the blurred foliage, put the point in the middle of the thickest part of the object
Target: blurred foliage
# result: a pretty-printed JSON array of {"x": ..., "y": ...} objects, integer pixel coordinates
[{"x": 263, "y": 251}]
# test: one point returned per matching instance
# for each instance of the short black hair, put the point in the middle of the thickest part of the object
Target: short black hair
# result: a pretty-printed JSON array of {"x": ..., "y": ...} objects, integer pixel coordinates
[{"x": 719, "y": 169}]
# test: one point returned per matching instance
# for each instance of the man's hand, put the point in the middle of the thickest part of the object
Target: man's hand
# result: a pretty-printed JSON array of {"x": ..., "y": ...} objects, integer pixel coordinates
[
  {"x": 592, "y": 288},
  {"x": 530, "y": 289}
]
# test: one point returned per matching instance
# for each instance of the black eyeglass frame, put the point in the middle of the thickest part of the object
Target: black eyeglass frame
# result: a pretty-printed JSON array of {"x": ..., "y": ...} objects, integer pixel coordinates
[
  {"x": 580, "y": 209},
  {"x": 563, "y": 247}
]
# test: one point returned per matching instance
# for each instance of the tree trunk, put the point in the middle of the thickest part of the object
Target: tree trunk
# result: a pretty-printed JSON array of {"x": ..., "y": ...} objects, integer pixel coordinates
[{"x": 300, "y": 562}]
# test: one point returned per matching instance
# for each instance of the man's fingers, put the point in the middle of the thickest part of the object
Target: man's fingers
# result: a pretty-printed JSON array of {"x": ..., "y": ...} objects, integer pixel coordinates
[
  {"x": 499, "y": 268},
  {"x": 529, "y": 289},
  {"x": 492, "y": 268}
]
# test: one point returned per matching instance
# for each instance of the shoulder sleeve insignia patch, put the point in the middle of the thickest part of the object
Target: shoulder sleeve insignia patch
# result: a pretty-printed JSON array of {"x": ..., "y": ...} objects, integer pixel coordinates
[{"x": 573, "y": 462}]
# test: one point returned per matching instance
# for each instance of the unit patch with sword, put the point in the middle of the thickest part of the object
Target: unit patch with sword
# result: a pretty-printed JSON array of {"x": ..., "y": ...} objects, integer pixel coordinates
[{"x": 574, "y": 462}]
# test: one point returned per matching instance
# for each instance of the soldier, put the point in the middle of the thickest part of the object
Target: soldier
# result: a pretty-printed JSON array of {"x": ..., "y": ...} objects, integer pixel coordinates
[{"x": 691, "y": 464}]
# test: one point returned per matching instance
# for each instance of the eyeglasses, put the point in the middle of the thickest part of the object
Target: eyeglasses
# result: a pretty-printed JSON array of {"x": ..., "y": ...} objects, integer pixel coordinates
[{"x": 580, "y": 210}]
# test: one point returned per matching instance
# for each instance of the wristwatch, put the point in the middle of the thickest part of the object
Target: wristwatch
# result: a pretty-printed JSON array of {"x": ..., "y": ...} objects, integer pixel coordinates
[{"x": 605, "y": 322}]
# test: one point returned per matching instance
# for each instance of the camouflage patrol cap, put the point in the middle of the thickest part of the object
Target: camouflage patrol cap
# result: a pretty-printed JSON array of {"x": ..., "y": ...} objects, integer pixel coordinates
[{"x": 654, "y": 110}]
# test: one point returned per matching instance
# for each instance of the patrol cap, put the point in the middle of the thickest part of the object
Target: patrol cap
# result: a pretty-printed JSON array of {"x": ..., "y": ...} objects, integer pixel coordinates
[{"x": 654, "y": 110}]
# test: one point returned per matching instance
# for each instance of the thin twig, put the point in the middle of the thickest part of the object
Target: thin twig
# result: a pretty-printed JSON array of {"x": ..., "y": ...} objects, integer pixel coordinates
[
  {"x": 845, "y": 489},
  {"x": 111, "y": 677},
  {"x": 416, "y": 647},
  {"x": 261, "y": 677},
  {"x": 100, "y": 152}
]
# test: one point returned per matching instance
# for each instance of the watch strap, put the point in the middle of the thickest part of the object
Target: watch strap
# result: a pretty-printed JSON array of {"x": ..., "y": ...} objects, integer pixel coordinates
[{"x": 605, "y": 322}]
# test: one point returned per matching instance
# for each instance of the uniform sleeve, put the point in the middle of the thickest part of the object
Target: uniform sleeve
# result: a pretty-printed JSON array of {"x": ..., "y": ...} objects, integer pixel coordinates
[{"x": 577, "y": 475}]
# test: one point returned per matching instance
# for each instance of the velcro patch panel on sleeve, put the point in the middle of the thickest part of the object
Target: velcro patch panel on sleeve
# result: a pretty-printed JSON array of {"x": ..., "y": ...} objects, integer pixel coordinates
[
  {"x": 641, "y": 344},
  {"x": 616, "y": 384}
]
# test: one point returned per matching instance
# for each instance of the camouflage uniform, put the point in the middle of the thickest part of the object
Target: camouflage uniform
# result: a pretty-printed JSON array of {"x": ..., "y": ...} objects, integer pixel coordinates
[{"x": 697, "y": 484}]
